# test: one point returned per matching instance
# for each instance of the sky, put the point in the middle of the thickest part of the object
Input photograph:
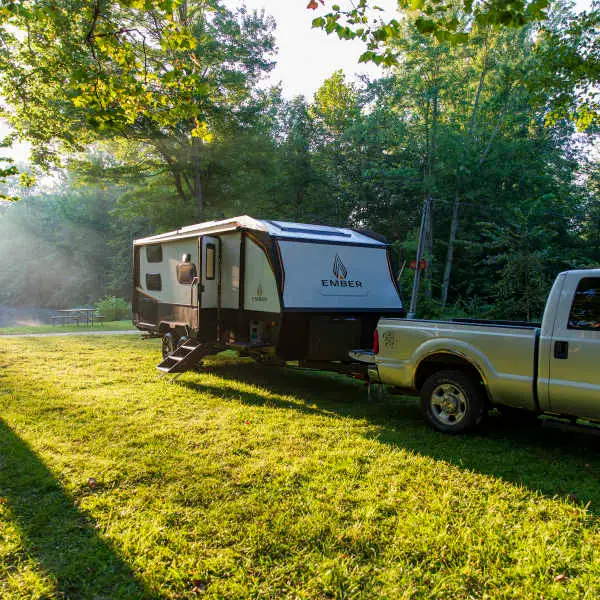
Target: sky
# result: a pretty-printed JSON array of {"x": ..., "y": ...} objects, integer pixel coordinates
[{"x": 306, "y": 56}]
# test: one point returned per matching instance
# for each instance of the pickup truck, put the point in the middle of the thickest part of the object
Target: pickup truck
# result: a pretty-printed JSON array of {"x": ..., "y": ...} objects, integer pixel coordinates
[{"x": 462, "y": 368}]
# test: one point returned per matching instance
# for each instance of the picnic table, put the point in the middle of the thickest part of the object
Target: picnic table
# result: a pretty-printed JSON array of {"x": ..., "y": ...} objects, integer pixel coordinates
[{"x": 76, "y": 315}]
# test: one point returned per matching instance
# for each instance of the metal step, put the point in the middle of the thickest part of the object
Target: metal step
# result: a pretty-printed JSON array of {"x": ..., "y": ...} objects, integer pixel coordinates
[{"x": 182, "y": 358}]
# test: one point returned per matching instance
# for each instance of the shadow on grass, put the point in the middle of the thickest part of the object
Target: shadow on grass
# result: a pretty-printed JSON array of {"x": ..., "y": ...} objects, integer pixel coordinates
[
  {"x": 55, "y": 533},
  {"x": 555, "y": 460}
]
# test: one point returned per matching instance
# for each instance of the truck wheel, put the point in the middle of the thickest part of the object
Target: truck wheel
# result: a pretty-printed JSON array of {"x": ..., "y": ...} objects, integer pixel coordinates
[
  {"x": 169, "y": 344},
  {"x": 451, "y": 402}
]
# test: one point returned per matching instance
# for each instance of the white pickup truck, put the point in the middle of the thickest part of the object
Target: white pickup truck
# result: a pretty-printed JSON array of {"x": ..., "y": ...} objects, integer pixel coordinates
[{"x": 462, "y": 368}]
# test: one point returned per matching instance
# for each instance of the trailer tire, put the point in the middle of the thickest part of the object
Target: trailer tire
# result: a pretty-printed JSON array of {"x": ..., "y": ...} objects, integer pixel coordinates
[
  {"x": 169, "y": 344},
  {"x": 452, "y": 402}
]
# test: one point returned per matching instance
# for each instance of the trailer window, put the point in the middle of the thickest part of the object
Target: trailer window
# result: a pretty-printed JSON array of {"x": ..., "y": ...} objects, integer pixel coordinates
[
  {"x": 153, "y": 282},
  {"x": 210, "y": 261},
  {"x": 154, "y": 253},
  {"x": 585, "y": 311}
]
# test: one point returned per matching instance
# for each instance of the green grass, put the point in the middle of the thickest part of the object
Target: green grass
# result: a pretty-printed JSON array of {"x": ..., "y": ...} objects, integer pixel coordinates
[
  {"x": 102, "y": 326},
  {"x": 254, "y": 482}
]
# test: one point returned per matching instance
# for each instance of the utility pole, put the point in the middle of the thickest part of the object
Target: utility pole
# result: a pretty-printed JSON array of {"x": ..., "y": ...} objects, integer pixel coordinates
[{"x": 420, "y": 245}]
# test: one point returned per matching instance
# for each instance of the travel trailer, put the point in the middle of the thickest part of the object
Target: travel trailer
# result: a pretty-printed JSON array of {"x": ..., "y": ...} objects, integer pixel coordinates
[{"x": 274, "y": 290}]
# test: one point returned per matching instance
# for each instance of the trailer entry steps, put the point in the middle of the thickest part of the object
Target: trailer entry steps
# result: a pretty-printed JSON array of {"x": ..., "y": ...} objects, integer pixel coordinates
[{"x": 183, "y": 358}]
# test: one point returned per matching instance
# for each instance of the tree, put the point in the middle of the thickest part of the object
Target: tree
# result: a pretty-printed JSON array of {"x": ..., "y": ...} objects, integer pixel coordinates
[
  {"x": 431, "y": 17},
  {"x": 571, "y": 74},
  {"x": 170, "y": 74}
]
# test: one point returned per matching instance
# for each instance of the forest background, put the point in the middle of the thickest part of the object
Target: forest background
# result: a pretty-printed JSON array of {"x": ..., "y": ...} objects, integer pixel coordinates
[{"x": 148, "y": 115}]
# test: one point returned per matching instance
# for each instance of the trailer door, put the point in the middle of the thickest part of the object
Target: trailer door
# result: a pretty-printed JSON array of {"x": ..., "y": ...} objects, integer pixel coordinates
[{"x": 210, "y": 286}]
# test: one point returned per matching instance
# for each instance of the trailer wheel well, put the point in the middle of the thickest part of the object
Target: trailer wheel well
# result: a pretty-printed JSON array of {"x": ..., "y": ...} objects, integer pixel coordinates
[{"x": 441, "y": 362}]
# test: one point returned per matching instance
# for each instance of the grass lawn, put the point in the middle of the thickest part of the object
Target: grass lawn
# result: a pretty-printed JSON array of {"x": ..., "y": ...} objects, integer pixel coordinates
[
  {"x": 102, "y": 326},
  {"x": 258, "y": 482}
]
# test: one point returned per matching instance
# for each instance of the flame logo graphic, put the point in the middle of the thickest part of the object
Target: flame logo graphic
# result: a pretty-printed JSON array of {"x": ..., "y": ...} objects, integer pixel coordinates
[
  {"x": 259, "y": 290},
  {"x": 339, "y": 270}
]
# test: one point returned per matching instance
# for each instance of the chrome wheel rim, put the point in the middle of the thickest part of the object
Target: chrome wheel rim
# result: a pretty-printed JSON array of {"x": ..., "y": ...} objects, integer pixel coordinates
[{"x": 448, "y": 404}]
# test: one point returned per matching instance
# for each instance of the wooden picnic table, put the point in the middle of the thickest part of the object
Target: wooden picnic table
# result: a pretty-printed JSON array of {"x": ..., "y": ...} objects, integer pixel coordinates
[{"x": 76, "y": 315}]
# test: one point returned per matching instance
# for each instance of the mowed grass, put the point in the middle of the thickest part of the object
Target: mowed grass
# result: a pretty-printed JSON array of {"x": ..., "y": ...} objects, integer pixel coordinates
[
  {"x": 259, "y": 482},
  {"x": 70, "y": 327}
]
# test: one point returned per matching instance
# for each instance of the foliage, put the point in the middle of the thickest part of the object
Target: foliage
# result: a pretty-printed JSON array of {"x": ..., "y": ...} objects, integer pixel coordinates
[
  {"x": 56, "y": 247},
  {"x": 567, "y": 84},
  {"x": 437, "y": 18},
  {"x": 246, "y": 481},
  {"x": 113, "y": 308},
  {"x": 569, "y": 43},
  {"x": 171, "y": 77},
  {"x": 513, "y": 198}
]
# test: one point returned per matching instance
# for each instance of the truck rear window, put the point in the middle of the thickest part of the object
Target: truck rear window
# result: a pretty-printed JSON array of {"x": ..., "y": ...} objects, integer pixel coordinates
[{"x": 585, "y": 311}]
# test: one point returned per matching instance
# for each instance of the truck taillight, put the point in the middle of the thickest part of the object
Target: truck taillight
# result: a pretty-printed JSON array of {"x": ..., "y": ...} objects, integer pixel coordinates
[{"x": 375, "y": 342}]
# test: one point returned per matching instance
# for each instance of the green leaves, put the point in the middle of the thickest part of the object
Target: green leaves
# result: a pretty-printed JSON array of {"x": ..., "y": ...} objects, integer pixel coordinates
[
  {"x": 436, "y": 18},
  {"x": 73, "y": 72}
]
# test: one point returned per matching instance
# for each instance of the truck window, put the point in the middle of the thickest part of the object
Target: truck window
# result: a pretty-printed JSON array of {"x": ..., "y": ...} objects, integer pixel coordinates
[{"x": 585, "y": 311}]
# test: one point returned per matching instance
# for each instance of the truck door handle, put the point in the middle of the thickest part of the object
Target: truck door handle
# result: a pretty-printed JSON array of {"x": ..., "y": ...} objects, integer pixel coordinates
[{"x": 561, "y": 350}]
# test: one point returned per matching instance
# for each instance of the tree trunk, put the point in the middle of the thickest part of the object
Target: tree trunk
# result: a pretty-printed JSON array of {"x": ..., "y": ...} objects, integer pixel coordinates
[
  {"x": 450, "y": 251},
  {"x": 197, "y": 190},
  {"x": 455, "y": 209},
  {"x": 428, "y": 248}
]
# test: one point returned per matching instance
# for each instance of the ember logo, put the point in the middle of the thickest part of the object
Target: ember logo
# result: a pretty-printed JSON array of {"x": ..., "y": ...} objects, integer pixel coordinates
[
  {"x": 259, "y": 295},
  {"x": 340, "y": 272}
]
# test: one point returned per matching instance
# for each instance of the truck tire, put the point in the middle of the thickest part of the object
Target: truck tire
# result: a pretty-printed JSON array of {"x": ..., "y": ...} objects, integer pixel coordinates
[{"x": 452, "y": 402}]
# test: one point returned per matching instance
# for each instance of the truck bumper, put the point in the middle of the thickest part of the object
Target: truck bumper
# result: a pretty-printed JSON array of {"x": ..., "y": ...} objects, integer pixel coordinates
[{"x": 367, "y": 357}]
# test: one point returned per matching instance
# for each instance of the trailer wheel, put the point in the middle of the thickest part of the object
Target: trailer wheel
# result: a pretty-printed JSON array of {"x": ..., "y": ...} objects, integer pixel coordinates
[
  {"x": 452, "y": 402},
  {"x": 169, "y": 344}
]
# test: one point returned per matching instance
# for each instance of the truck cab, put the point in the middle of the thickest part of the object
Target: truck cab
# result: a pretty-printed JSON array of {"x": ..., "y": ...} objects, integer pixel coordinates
[
  {"x": 569, "y": 354},
  {"x": 462, "y": 368}
]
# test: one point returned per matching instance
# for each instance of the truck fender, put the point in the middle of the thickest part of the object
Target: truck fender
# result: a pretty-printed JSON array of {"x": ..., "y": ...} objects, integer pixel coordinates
[{"x": 457, "y": 352}]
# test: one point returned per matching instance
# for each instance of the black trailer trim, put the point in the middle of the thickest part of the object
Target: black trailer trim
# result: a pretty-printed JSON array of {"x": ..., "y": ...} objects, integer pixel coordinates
[
  {"x": 329, "y": 231},
  {"x": 330, "y": 242},
  {"x": 396, "y": 283},
  {"x": 392, "y": 312}
]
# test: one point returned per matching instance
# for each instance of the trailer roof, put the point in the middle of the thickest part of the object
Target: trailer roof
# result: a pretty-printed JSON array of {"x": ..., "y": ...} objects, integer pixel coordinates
[{"x": 278, "y": 229}]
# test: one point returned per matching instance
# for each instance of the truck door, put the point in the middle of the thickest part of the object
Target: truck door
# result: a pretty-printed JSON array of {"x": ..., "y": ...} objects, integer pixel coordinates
[
  {"x": 210, "y": 287},
  {"x": 574, "y": 383}
]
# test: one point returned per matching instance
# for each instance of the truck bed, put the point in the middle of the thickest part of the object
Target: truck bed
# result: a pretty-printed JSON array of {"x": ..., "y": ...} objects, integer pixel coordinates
[{"x": 503, "y": 353}]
